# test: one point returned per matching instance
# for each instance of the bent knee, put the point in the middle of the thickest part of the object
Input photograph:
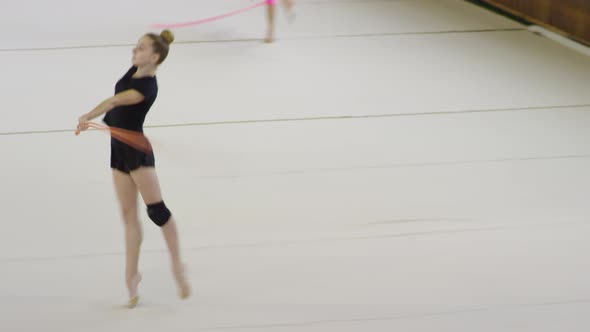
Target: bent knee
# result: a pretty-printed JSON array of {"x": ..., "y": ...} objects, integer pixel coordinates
[{"x": 159, "y": 213}]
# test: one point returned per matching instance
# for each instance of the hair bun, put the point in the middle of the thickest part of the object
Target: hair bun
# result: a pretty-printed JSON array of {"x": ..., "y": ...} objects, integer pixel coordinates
[{"x": 168, "y": 36}]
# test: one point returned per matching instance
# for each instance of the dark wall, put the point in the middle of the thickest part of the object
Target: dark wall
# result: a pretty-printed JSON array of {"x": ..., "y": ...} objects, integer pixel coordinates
[{"x": 569, "y": 17}]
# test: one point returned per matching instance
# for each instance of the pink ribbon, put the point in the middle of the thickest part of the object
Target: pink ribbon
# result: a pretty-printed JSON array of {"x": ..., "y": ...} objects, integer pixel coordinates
[{"x": 211, "y": 19}]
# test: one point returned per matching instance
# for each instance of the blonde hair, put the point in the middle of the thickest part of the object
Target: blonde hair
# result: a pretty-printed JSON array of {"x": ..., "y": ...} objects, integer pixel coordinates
[{"x": 161, "y": 43}]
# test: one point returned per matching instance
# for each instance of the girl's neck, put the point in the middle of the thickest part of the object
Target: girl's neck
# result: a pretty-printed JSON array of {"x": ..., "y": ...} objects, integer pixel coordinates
[{"x": 145, "y": 71}]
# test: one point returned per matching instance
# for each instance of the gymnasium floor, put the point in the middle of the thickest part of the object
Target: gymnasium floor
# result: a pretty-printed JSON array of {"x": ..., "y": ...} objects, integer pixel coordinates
[{"x": 411, "y": 165}]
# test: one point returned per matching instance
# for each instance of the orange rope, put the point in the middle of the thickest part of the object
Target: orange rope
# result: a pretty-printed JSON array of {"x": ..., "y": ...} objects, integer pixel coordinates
[{"x": 132, "y": 138}]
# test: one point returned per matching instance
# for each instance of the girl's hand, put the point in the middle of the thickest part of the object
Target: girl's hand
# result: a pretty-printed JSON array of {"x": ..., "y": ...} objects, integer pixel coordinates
[{"x": 82, "y": 124}]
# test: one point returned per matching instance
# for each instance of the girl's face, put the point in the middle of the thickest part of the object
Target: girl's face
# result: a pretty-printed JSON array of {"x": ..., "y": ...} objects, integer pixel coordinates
[{"x": 143, "y": 53}]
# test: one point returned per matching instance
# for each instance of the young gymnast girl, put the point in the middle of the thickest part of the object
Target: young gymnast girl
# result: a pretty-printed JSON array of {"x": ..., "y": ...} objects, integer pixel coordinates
[
  {"x": 133, "y": 171},
  {"x": 270, "y": 16}
]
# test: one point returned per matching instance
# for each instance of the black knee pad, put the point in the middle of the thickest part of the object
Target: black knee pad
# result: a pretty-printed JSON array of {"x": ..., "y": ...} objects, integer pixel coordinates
[{"x": 159, "y": 213}]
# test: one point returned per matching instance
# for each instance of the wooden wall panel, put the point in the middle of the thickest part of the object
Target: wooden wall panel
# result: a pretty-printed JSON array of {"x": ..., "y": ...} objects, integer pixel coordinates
[{"x": 568, "y": 17}]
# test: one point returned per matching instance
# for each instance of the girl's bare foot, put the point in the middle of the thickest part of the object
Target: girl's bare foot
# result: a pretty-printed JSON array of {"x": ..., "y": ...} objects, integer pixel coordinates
[
  {"x": 269, "y": 37},
  {"x": 132, "y": 285},
  {"x": 184, "y": 290}
]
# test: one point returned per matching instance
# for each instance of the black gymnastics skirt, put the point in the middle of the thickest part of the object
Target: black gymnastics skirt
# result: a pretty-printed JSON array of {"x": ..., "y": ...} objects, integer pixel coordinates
[{"x": 127, "y": 159}]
